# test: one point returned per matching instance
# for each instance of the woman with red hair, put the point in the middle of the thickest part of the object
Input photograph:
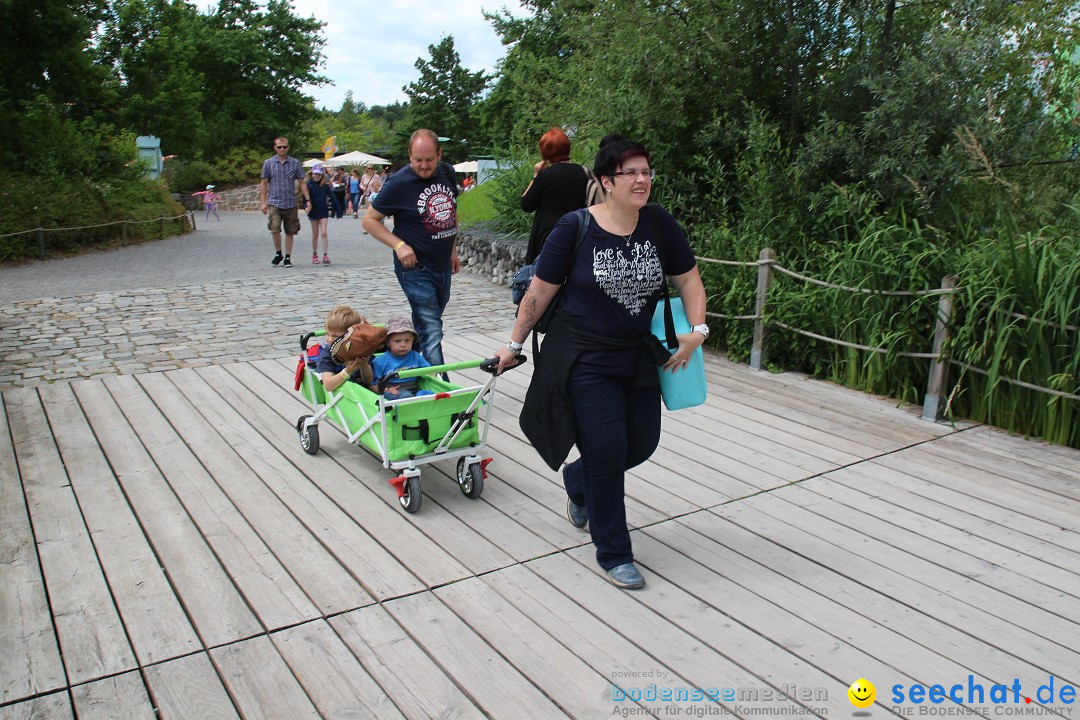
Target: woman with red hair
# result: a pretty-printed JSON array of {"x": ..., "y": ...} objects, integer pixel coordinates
[{"x": 557, "y": 187}]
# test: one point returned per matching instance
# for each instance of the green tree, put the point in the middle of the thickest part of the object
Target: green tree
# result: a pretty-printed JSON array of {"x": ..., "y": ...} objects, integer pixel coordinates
[
  {"x": 917, "y": 106},
  {"x": 528, "y": 95},
  {"x": 255, "y": 61},
  {"x": 444, "y": 97},
  {"x": 161, "y": 89},
  {"x": 53, "y": 95}
]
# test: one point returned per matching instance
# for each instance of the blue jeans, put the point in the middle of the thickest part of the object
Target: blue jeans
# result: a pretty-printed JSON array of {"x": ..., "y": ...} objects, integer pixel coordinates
[
  {"x": 355, "y": 202},
  {"x": 618, "y": 427},
  {"x": 428, "y": 292}
]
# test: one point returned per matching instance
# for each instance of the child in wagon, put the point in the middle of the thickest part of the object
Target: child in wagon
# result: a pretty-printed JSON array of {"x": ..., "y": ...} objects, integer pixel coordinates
[
  {"x": 333, "y": 374},
  {"x": 399, "y": 355}
]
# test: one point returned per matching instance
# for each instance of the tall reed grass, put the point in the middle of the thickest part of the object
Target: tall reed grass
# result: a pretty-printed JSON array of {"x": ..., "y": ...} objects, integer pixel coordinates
[{"x": 1000, "y": 277}]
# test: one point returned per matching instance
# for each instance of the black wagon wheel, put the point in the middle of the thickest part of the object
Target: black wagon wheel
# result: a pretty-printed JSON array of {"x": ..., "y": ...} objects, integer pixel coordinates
[
  {"x": 412, "y": 497},
  {"x": 309, "y": 436},
  {"x": 470, "y": 479}
]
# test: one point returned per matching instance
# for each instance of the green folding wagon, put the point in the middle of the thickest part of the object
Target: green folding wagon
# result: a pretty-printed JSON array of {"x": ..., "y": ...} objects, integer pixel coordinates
[{"x": 405, "y": 434}]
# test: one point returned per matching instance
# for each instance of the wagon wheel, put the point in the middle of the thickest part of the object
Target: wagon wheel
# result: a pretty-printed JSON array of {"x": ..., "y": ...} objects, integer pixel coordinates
[
  {"x": 411, "y": 498},
  {"x": 470, "y": 479},
  {"x": 309, "y": 436}
]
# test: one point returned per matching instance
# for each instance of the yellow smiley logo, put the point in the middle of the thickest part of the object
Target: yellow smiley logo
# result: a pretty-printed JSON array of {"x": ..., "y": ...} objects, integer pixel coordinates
[{"x": 862, "y": 693}]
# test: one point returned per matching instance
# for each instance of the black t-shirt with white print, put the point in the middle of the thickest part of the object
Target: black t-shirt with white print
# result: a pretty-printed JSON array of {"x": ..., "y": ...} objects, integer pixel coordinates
[{"x": 613, "y": 284}]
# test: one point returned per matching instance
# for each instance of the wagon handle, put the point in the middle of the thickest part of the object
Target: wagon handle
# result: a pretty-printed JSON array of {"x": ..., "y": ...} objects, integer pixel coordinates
[
  {"x": 306, "y": 338},
  {"x": 491, "y": 365},
  {"x": 385, "y": 380}
]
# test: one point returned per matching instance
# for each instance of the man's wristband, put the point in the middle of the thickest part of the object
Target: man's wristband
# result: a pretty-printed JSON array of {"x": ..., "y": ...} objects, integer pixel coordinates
[
  {"x": 514, "y": 347},
  {"x": 400, "y": 243}
]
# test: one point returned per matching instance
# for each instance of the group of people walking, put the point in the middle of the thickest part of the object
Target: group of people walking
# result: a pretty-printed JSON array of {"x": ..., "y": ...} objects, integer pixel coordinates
[
  {"x": 595, "y": 384},
  {"x": 325, "y": 192}
]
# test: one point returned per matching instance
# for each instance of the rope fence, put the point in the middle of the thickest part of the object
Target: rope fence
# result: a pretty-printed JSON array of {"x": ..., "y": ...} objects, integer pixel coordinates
[
  {"x": 183, "y": 218},
  {"x": 934, "y": 402}
]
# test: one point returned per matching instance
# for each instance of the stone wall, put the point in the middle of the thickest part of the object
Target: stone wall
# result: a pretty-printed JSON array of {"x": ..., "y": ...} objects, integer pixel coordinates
[
  {"x": 244, "y": 198},
  {"x": 494, "y": 255}
]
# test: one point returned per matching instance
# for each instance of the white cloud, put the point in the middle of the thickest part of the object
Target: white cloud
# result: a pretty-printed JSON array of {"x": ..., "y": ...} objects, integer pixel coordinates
[{"x": 371, "y": 47}]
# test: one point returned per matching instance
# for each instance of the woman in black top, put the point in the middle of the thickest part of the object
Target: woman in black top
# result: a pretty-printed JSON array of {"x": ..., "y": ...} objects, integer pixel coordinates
[
  {"x": 596, "y": 383},
  {"x": 557, "y": 187}
]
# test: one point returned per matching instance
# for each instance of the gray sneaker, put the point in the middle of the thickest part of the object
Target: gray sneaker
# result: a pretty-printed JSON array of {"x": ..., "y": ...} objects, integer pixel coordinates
[
  {"x": 576, "y": 514},
  {"x": 626, "y": 576}
]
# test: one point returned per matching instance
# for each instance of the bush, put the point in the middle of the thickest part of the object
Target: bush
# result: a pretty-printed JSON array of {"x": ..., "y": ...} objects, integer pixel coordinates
[
  {"x": 240, "y": 166},
  {"x": 187, "y": 175},
  {"x": 476, "y": 205},
  {"x": 87, "y": 205}
]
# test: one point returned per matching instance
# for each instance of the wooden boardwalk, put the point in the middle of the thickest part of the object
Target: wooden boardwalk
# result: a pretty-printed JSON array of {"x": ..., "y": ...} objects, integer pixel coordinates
[{"x": 168, "y": 550}]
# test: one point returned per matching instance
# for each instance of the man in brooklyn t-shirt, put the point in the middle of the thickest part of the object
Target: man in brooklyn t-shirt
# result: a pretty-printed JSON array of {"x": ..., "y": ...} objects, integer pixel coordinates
[{"x": 422, "y": 198}]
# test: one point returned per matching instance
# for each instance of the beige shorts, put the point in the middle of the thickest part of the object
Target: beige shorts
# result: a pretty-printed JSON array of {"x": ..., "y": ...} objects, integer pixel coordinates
[{"x": 288, "y": 216}]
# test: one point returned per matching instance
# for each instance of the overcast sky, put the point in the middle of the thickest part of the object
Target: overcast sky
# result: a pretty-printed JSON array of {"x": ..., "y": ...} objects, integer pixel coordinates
[{"x": 372, "y": 45}]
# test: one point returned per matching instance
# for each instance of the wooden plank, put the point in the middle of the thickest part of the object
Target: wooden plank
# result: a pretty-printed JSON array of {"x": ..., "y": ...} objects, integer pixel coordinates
[
  {"x": 569, "y": 681},
  {"x": 357, "y": 482},
  {"x": 55, "y": 706},
  {"x": 615, "y": 659},
  {"x": 885, "y": 416},
  {"x": 924, "y": 614},
  {"x": 332, "y": 677},
  {"x": 189, "y": 688},
  {"x": 321, "y": 576},
  {"x": 876, "y": 422},
  {"x": 987, "y": 534},
  {"x": 471, "y": 661},
  {"x": 419, "y": 688},
  {"x": 119, "y": 696},
  {"x": 1023, "y": 499},
  {"x": 260, "y": 683},
  {"x": 1062, "y": 480},
  {"x": 271, "y": 591},
  {"x": 1037, "y": 452},
  {"x": 725, "y": 407},
  {"x": 713, "y": 463},
  {"x": 576, "y": 575},
  {"x": 370, "y": 564},
  {"x": 30, "y": 663},
  {"x": 718, "y": 445},
  {"x": 930, "y": 553},
  {"x": 217, "y": 609},
  {"x": 814, "y": 624},
  {"x": 92, "y": 639},
  {"x": 503, "y": 508},
  {"x": 748, "y": 627},
  {"x": 724, "y": 630},
  {"x": 985, "y": 506},
  {"x": 153, "y": 617}
]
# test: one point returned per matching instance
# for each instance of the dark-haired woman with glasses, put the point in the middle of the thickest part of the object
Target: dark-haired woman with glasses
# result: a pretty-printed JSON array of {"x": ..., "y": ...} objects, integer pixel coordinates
[{"x": 596, "y": 383}]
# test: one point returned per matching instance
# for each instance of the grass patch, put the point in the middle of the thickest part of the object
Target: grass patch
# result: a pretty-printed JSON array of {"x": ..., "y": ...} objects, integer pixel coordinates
[{"x": 476, "y": 205}]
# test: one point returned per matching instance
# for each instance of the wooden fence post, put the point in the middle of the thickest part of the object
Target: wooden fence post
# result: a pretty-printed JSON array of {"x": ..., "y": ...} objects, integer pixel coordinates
[
  {"x": 764, "y": 277},
  {"x": 192, "y": 214},
  {"x": 162, "y": 226},
  {"x": 934, "y": 402},
  {"x": 123, "y": 231},
  {"x": 41, "y": 243}
]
